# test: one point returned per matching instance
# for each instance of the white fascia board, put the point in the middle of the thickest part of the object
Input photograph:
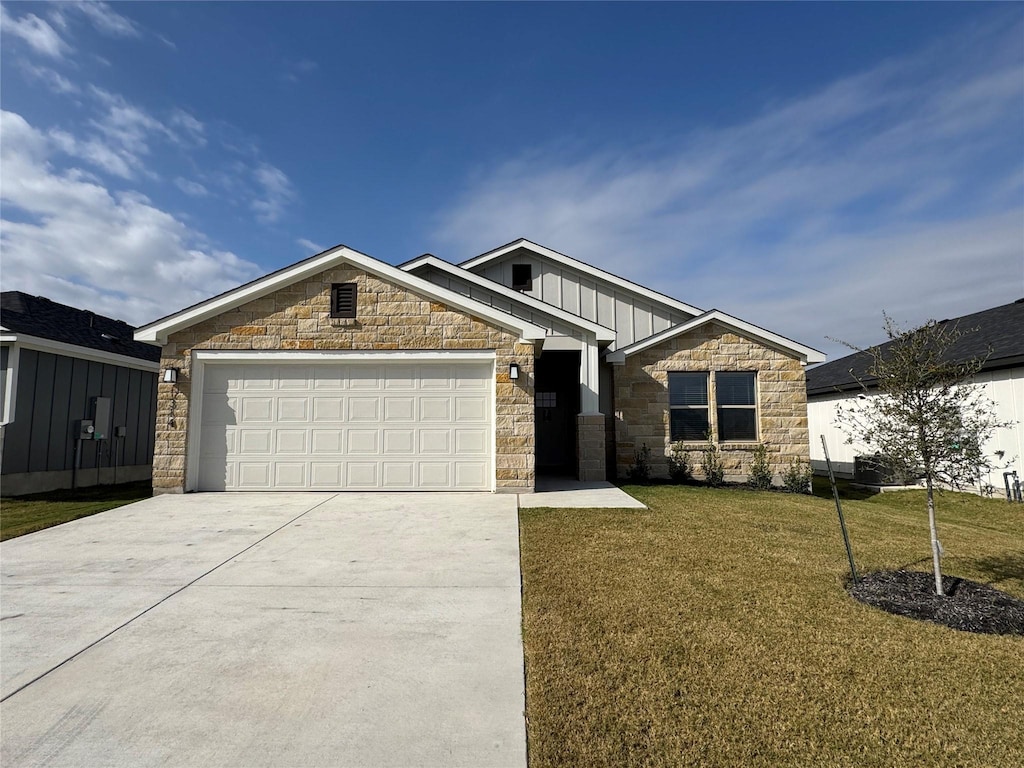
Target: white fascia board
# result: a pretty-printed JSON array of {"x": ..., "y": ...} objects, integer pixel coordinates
[
  {"x": 158, "y": 332},
  {"x": 594, "y": 272},
  {"x": 804, "y": 353},
  {"x": 40, "y": 344},
  {"x": 601, "y": 333}
]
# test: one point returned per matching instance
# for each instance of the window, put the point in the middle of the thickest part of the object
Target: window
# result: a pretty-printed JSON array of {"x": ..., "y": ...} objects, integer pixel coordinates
[
  {"x": 546, "y": 400},
  {"x": 522, "y": 277},
  {"x": 688, "y": 406},
  {"x": 343, "y": 300},
  {"x": 737, "y": 406}
]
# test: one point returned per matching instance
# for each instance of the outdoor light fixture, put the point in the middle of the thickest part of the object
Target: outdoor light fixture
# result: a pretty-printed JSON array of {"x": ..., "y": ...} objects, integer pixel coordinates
[
  {"x": 170, "y": 375},
  {"x": 513, "y": 371}
]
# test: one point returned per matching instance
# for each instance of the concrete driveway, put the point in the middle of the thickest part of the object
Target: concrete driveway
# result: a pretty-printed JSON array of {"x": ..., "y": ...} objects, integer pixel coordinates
[{"x": 267, "y": 630}]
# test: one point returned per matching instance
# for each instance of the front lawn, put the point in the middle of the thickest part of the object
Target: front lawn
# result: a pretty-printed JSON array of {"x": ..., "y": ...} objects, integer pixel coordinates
[
  {"x": 715, "y": 630},
  {"x": 25, "y": 514}
]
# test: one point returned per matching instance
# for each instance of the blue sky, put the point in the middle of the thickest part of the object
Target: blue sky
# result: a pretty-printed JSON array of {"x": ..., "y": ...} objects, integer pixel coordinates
[{"x": 802, "y": 166}]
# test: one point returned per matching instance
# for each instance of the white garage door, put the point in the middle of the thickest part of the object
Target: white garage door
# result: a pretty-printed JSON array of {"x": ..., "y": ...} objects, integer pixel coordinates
[{"x": 357, "y": 426}]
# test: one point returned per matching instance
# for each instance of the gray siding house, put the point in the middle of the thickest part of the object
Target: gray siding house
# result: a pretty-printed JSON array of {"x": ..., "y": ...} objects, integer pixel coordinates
[{"x": 64, "y": 371}]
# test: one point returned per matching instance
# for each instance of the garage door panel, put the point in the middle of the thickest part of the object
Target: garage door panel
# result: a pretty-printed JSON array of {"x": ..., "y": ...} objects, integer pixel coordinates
[
  {"x": 435, "y": 474},
  {"x": 292, "y": 409},
  {"x": 291, "y": 440},
  {"x": 332, "y": 426},
  {"x": 290, "y": 474},
  {"x": 364, "y": 409},
  {"x": 362, "y": 442},
  {"x": 435, "y": 409},
  {"x": 361, "y": 474},
  {"x": 399, "y": 409},
  {"x": 399, "y": 475},
  {"x": 328, "y": 408},
  {"x": 328, "y": 440},
  {"x": 399, "y": 441},
  {"x": 257, "y": 409},
  {"x": 254, "y": 474}
]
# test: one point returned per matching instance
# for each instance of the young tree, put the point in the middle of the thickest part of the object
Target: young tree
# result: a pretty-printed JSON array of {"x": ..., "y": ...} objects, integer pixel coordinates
[{"x": 926, "y": 419}]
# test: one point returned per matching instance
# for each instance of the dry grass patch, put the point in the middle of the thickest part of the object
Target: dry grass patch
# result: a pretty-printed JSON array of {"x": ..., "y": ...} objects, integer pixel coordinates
[{"x": 715, "y": 630}]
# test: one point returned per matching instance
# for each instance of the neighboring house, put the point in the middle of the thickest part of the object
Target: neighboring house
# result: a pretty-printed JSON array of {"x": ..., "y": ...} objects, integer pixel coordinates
[
  {"x": 995, "y": 334},
  {"x": 343, "y": 372},
  {"x": 60, "y": 366}
]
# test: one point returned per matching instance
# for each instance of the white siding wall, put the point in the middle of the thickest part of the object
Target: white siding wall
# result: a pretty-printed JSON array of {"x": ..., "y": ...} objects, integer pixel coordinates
[
  {"x": 1005, "y": 388},
  {"x": 632, "y": 317}
]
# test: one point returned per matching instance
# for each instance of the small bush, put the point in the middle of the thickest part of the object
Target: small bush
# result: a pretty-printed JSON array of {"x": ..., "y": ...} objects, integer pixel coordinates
[
  {"x": 797, "y": 477},
  {"x": 711, "y": 465},
  {"x": 760, "y": 470},
  {"x": 680, "y": 467},
  {"x": 640, "y": 472}
]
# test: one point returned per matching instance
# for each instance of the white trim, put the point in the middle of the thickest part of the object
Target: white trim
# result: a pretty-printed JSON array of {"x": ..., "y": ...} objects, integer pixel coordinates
[
  {"x": 329, "y": 355},
  {"x": 158, "y": 331},
  {"x": 204, "y": 357},
  {"x": 10, "y": 402},
  {"x": 593, "y": 272},
  {"x": 83, "y": 353},
  {"x": 602, "y": 333},
  {"x": 806, "y": 354}
]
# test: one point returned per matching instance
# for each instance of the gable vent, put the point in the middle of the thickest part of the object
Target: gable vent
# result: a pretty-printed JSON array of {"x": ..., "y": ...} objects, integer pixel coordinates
[{"x": 343, "y": 300}]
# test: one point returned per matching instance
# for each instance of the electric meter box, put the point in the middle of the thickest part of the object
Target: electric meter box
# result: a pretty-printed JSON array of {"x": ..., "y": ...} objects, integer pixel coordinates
[
  {"x": 101, "y": 417},
  {"x": 84, "y": 429}
]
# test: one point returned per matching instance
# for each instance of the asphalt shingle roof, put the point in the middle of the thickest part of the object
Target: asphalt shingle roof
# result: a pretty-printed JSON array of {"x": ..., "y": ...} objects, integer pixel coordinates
[
  {"x": 38, "y": 316},
  {"x": 996, "y": 332}
]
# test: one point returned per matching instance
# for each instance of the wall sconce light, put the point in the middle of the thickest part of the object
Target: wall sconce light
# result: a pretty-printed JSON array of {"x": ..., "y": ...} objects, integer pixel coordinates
[
  {"x": 513, "y": 371},
  {"x": 170, "y": 375}
]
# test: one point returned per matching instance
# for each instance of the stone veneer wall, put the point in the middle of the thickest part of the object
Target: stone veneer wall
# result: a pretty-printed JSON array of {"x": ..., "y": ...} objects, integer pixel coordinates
[
  {"x": 642, "y": 407},
  {"x": 389, "y": 317}
]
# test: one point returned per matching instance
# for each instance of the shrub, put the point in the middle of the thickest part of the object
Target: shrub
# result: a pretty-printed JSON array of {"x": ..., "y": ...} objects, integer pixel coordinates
[
  {"x": 760, "y": 471},
  {"x": 797, "y": 477},
  {"x": 680, "y": 468},
  {"x": 711, "y": 465},
  {"x": 640, "y": 472}
]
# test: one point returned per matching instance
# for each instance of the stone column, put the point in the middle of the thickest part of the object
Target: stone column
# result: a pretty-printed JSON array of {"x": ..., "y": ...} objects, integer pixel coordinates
[{"x": 590, "y": 447}]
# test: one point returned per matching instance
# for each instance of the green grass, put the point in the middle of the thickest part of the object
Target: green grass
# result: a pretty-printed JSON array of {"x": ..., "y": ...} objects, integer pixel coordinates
[
  {"x": 26, "y": 514},
  {"x": 714, "y": 630}
]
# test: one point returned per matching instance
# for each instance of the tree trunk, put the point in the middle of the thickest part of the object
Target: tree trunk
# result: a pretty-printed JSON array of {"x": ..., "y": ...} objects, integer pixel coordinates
[{"x": 936, "y": 554}]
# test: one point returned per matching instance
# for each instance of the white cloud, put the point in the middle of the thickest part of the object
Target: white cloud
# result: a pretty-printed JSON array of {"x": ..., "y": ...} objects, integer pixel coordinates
[
  {"x": 53, "y": 79},
  {"x": 274, "y": 192},
  {"x": 188, "y": 125},
  {"x": 67, "y": 237},
  {"x": 193, "y": 188},
  {"x": 106, "y": 20},
  {"x": 309, "y": 245},
  {"x": 38, "y": 34},
  {"x": 808, "y": 218}
]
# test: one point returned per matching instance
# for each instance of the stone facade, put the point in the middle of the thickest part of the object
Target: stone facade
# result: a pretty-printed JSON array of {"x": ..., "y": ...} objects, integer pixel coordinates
[
  {"x": 590, "y": 446},
  {"x": 389, "y": 317},
  {"x": 642, "y": 404}
]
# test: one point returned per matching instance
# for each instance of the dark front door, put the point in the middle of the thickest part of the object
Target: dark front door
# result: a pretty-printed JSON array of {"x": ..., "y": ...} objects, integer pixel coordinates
[{"x": 556, "y": 403}]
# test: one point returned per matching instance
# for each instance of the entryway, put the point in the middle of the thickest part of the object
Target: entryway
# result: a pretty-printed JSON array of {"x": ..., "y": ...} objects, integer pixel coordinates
[{"x": 556, "y": 404}]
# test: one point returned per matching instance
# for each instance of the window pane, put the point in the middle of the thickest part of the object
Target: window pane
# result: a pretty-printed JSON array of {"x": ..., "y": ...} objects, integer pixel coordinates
[
  {"x": 736, "y": 424},
  {"x": 734, "y": 388},
  {"x": 689, "y": 424},
  {"x": 687, "y": 388}
]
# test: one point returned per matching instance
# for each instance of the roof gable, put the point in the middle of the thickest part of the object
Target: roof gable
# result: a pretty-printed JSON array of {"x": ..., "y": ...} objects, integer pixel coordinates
[
  {"x": 803, "y": 353},
  {"x": 601, "y": 332},
  {"x": 999, "y": 336},
  {"x": 158, "y": 331},
  {"x": 41, "y": 318},
  {"x": 592, "y": 272}
]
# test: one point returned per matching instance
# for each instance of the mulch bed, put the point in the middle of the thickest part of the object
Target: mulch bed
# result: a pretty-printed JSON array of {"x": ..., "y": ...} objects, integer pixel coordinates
[{"x": 967, "y": 606}]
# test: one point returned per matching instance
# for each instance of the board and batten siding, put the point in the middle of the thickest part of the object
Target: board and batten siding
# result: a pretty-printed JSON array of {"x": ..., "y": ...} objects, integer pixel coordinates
[
  {"x": 1003, "y": 387},
  {"x": 631, "y": 316},
  {"x": 55, "y": 391},
  {"x": 466, "y": 288}
]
